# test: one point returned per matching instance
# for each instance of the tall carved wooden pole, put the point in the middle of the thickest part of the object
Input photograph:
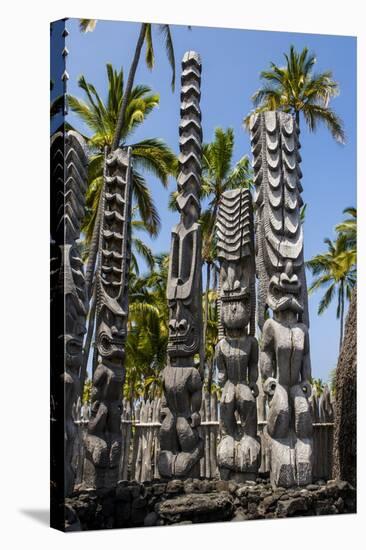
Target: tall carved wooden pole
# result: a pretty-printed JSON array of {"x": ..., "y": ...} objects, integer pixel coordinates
[
  {"x": 285, "y": 354},
  {"x": 103, "y": 441},
  {"x": 236, "y": 353},
  {"x": 181, "y": 446},
  {"x": 68, "y": 293}
]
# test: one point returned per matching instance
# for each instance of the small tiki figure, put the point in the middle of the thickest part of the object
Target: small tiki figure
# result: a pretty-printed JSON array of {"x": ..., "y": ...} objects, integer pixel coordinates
[{"x": 237, "y": 351}]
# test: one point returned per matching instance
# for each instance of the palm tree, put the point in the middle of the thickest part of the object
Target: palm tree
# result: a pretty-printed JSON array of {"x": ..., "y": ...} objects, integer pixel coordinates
[
  {"x": 349, "y": 227},
  {"x": 145, "y": 36},
  {"x": 296, "y": 89},
  {"x": 336, "y": 270},
  {"x": 150, "y": 154}
]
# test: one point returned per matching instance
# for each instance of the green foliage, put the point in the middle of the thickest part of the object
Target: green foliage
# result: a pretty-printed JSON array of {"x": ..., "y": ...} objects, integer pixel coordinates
[
  {"x": 335, "y": 270},
  {"x": 147, "y": 331},
  {"x": 87, "y": 25},
  {"x": 303, "y": 213},
  {"x": 296, "y": 88},
  {"x": 332, "y": 381},
  {"x": 86, "y": 391},
  {"x": 318, "y": 384},
  {"x": 149, "y": 156},
  {"x": 212, "y": 325},
  {"x": 348, "y": 227},
  {"x": 215, "y": 389}
]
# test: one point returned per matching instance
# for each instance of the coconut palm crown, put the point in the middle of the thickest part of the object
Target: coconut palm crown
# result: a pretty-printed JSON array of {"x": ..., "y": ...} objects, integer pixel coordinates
[
  {"x": 297, "y": 89},
  {"x": 334, "y": 270},
  {"x": 151, "y": 155}
]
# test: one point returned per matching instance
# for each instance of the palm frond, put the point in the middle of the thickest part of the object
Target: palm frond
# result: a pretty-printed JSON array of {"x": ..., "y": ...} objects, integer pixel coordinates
[
  {"x": 296, "y": 88},
  {"x": 145, "y": 202},
  {"x": 144, "y": 251},
  {"x": 327, "y": 298},
  {"x": 241, "y": 175},
  {"x": 149, "y": 56},
  {"x": 154, "y": 156},
  {"x": 316, "y": 113},
  {"x": 169, "y": 48},
  {"x": 87, "y": 25}
]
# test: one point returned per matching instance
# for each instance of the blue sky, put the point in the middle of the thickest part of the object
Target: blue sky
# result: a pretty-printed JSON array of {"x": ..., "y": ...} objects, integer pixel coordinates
[{"x": 231, "y": 63}]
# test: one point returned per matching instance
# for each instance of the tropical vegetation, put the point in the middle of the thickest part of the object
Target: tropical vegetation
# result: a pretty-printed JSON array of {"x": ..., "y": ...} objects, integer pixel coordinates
[
  {"x": 145, "y": 37},
  {"x": 112, "y": 119},
  {"x": 335, "y": 269},
  {"x": 150, "y": 155},
  {"x": 147, "y": 331},
  {"x": 295, "y": 88}
]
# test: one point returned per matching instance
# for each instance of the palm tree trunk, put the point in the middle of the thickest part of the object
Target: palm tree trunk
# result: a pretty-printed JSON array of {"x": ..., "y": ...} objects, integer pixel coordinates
[
  {"x": 131, "y": 78},
  {"x": 93, "y": 249},
  {"x": 341, "y": 316}
]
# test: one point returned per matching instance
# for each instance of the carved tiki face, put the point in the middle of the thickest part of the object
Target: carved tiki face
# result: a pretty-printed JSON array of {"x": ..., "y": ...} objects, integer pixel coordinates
[
  {"x": 111, "y": 338},
  {"x": 183, "y": 293},
  {"x": 284, "y": 291},
  {"x": 235, "y": 310},
  {"x": 75, "y": 310},
  {"x": 183, "y": 330},
  {"x": 235, "y": 297}
]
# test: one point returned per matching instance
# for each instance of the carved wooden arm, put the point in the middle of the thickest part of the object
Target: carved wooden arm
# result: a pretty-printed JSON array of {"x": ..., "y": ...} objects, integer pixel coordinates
[{"x": 221, "y": 366}]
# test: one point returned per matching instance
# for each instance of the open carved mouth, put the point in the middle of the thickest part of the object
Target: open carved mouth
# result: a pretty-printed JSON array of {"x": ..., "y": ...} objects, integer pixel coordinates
[
  {"x": 289, "y": 301},
  {"x": 282, "y": 284},
  {"x": 234, "y": 296},
  {"x": 180, "y": 338},
  {"x": 288, "y": 288},
  {"x": 177, "y": 348},
  {"x": 182, "y": 341},
  {"x": 108, "y": 345}
]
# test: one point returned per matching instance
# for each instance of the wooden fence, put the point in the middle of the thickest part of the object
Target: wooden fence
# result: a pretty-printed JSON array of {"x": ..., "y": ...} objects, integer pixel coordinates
[{"x": 140, "y": 426}]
